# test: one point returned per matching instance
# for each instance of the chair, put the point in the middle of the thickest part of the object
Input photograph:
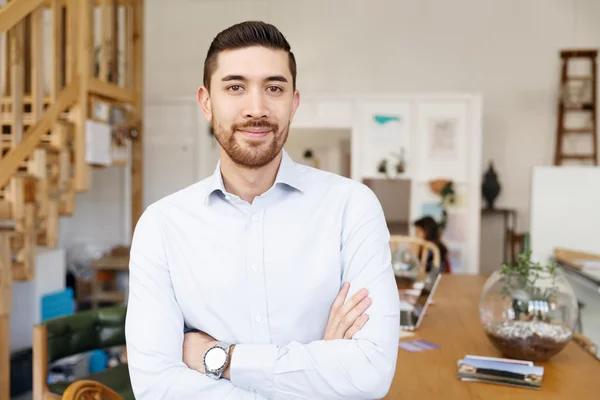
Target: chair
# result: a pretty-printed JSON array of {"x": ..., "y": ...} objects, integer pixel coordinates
[
  {"x": 516, "y": 244},
  {"x": 89, "y": 390},
  {"x": 74, "y": 334},
  {"x": 419, "y": 245}
]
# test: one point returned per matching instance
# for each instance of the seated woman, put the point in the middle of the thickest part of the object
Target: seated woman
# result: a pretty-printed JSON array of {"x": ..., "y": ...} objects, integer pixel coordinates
[{"x": 427, "y": 229}]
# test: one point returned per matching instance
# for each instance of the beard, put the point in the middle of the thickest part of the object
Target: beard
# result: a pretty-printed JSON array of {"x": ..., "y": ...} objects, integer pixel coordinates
[{"x": 249, "y": 153}]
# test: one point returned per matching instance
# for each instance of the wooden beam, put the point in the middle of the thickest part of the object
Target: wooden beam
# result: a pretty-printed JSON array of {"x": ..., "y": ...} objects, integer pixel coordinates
[
  {"x": 85, "y": 52},
  {"x": 40, "y": 362},
  {"x": 137, "y": 148},
  {"x": 5, "y": 357},
  {"x": 111, "y": 92},
  {"x": 115, "y": 72},
  {"x": 24, "y": 266},
  {"x": 105, "y": 42},
  {"x": 71, "y": 41},
  {"x": 96, "y": 2},
  {"x": 129, "y": 47},
  {"x": 37, "y": 63},
  {"x": 5, "y": 275},
  {"x": 33, "y": 136},
  {"x": 57, "y": 48},
  {"x": 58, "y": 137},
  {"x": 5, "y": 307},
  {"x": 14, "y": 12},
  {"x": 37, "y": 162},
  {"x": 16, "y": 39},
  {"x": 51, "y": 234},
  {"x": 16, "y": 197}
]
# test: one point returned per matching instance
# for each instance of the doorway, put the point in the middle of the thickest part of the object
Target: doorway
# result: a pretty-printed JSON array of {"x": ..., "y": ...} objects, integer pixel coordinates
[{"x": 328, "y": 149}]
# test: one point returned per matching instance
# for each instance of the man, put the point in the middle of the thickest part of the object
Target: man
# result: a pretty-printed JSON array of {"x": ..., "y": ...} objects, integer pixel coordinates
[{"x": 282, "y": 270}]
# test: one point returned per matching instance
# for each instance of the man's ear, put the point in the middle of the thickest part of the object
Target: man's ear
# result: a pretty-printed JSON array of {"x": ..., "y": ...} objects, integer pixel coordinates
[
  {"x": 203, "y": 98},
  {"x": 296, "y": 104}
]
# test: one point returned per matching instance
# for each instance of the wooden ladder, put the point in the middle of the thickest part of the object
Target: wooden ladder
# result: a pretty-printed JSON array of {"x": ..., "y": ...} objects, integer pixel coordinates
[{"x": 577, "y": 103}]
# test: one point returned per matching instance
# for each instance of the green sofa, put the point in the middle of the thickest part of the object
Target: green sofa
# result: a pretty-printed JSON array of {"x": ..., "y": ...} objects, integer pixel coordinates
[{"x": 74, "y": 334}]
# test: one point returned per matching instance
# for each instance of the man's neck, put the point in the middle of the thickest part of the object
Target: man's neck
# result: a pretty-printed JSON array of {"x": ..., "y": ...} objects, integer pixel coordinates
[{"x": 247, "y": 183}]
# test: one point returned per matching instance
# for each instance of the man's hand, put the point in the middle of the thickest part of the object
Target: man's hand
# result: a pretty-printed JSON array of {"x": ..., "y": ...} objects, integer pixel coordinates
[
  {"x": 195, "y": 346},
  {"x": 347, "y": 319}
]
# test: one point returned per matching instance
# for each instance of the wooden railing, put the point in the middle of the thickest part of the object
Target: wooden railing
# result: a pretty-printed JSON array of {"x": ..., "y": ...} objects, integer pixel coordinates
[
  {"x": 16, "y": 12},
  {"x": 33, "y": 137}
]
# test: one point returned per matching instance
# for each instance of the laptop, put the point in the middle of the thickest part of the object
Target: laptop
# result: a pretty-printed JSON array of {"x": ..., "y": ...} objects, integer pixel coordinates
[{"x": 412, "y": 313}]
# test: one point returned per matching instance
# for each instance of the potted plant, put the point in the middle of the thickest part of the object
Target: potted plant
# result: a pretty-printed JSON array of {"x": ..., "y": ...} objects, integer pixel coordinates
[
  {"x": 395, "y": 171},
  {"x": 528, "y": 310},
  {"x": 445, "y": 189}
]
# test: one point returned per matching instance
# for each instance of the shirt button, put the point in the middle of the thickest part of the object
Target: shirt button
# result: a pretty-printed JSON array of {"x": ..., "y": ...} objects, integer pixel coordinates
[
  {"x": 254, "y": 267},
  {"x": 254, "y": 218},
  {"x": 227, "y": 197},
  {"x": 258, "y": 318}
]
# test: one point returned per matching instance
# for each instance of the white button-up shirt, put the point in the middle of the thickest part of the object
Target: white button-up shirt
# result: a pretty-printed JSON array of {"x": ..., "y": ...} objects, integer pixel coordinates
[{"x": 262, "y": 276}]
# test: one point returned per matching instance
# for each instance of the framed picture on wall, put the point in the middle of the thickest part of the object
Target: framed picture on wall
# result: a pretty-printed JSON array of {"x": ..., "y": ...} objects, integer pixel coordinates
[
  {"x": 442, "y": 135},
  {"x": 386, "y": 127}
]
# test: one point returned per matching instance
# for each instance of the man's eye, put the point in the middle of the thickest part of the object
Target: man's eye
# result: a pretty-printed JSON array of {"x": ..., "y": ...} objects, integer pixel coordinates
[
  {"x": 274, "y": 89},
  {"x": 235, "y": 88}
]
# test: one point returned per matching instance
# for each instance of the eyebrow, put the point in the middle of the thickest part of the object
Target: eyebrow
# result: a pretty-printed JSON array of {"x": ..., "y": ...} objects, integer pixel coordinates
[{"x": 275, "y": 78}]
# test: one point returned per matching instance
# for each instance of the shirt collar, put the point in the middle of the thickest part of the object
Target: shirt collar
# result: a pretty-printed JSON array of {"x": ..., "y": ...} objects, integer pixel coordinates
[{"x": 287, "y": 174}]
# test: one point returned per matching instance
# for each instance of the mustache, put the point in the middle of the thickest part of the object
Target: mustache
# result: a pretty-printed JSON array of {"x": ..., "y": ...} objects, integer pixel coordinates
[{"x": 255, "y": 124}]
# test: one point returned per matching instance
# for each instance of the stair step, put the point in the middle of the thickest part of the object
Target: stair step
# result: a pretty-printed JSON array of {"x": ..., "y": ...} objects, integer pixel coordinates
[
  {"x": 583, "y": 107},
  {"x": 7, "y": 226},
  {"x": 578, "y": 130},
  {"x": 577, "y": 156},
  {"x": 577, "y": 53}
]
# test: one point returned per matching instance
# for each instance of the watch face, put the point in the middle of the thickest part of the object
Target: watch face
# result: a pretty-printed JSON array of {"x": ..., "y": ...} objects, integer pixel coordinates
[{"x": 215, "y": 358}]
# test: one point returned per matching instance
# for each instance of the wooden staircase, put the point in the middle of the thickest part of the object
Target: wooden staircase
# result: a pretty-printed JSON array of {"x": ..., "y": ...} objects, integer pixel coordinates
[{"x": 66, "y": 62}]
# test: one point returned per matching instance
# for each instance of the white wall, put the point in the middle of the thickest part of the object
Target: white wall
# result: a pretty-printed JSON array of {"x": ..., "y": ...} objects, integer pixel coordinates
[
  {"x": 508, "y": 50},
  {"x": 565, "y": 210},
  {"x": 102, "y": 214}
]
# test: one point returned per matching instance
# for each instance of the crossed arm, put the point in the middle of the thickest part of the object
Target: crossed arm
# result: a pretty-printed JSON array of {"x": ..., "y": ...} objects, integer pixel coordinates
[{"x": 334, "y": 367}]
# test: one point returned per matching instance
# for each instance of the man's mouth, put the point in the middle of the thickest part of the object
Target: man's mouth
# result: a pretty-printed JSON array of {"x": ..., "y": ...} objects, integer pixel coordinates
[{"x": 255, "y": 132}]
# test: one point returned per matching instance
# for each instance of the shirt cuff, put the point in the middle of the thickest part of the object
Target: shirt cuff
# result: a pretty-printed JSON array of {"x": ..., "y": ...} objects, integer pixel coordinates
[{"x": 253, "y": 366}]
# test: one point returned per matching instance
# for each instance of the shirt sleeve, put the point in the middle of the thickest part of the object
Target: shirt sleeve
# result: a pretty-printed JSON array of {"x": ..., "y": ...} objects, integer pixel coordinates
[
  {"x": 358, "y": 368},
  {"x": 154, "y": 327}
]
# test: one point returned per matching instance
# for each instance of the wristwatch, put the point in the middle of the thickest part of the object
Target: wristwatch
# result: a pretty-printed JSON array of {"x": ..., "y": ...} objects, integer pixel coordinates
[{"x": 216, "y": 359}]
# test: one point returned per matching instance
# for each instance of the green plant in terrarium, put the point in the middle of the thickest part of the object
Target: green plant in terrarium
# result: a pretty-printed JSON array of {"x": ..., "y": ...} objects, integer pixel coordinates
[{"x": 522, "y": 283}]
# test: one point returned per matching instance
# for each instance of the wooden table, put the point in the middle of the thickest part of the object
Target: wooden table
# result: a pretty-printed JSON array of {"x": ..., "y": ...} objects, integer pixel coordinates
[{"x": 453, "y": 323}]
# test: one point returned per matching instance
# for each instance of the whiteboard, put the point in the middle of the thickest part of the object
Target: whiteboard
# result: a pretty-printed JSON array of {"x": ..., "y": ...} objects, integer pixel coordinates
[{"x": 565, "y": 210}]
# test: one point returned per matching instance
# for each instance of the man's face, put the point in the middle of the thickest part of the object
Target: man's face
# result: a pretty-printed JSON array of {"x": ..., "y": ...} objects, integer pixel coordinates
[{"x": 251, "y": 104}]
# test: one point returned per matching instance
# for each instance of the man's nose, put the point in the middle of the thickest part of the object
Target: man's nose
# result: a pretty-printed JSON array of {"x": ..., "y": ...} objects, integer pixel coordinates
[{"x": 256, "y": 105}]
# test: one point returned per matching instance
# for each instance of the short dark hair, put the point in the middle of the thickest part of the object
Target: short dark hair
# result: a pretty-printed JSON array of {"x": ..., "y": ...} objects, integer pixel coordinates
[{"x": 247, "y": 34}]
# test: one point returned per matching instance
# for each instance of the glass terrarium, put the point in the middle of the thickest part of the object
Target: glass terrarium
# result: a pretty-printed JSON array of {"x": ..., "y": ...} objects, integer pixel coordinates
[
  {"x": 405, "y": 263},
  {"x": 528, "y": 311}
]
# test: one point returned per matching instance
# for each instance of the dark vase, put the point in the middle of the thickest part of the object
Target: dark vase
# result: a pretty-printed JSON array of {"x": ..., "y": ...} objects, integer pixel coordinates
[{"x": 490, "y": 188}]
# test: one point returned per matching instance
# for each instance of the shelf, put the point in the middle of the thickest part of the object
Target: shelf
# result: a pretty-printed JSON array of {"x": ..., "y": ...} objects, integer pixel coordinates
[
  {"x": 109, "y": 297},
  {"x": 112, "y": 263}
]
